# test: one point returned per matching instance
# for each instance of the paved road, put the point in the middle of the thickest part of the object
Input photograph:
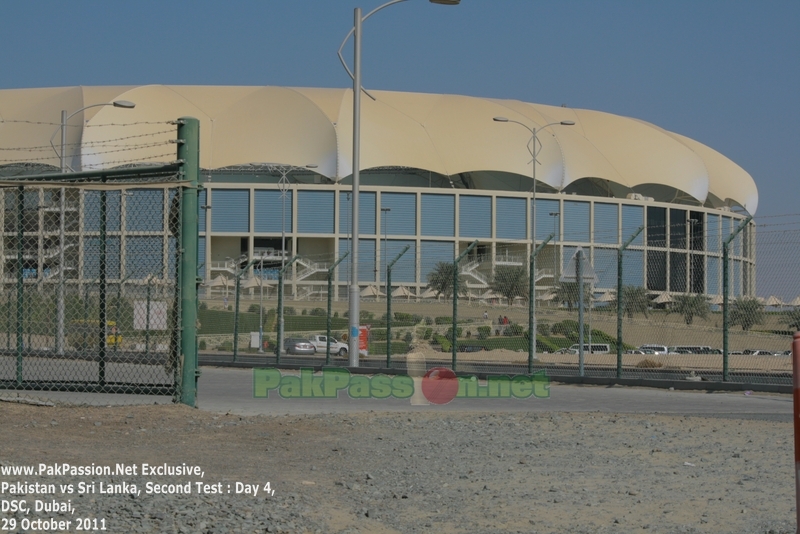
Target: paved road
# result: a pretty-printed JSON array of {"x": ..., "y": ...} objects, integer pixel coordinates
[{"x": 231, "y": 390}]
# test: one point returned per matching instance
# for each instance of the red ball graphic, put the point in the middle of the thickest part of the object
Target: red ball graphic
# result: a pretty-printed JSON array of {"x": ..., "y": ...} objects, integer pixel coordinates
[{"x": 440, "y": 385}]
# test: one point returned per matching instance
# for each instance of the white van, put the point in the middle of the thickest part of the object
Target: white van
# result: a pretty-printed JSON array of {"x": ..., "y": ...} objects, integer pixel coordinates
[
  {"x": 597, "y": 348},
  {"x": 654, "y": 349}
]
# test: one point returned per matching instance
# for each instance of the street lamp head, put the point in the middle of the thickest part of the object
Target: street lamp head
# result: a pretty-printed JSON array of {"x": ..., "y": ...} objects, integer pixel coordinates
[
  {"x": 446, "y": 2},
  {"x": 567, "y": 123},
  {"x": 123, "y": 104},
  {"x": 386, "y": 209},
  {"x": 500, "y": 119}
]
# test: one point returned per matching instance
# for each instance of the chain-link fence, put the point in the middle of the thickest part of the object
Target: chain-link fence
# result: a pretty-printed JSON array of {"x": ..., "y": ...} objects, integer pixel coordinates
[
  {"x": 90, "y": 299},
  {"x": 670, "y": 323}
]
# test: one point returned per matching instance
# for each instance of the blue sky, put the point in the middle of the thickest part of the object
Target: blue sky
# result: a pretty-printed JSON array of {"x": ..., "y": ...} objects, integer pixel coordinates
[{"x": 723, "y": 72}]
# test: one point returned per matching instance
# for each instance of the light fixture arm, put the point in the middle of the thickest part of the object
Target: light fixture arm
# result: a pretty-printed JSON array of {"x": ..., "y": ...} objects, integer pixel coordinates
[
  {"x": 117, "y": 104},
  {"x": 352, "y": 30}
]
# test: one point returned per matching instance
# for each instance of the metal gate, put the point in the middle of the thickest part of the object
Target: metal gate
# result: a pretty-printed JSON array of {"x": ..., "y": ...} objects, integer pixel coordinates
[{"x": 97, "y": 277}]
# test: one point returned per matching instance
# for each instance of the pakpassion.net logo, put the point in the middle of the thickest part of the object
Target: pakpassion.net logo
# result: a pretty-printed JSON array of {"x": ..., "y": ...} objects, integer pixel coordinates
[{"x": 439, "y": 385}]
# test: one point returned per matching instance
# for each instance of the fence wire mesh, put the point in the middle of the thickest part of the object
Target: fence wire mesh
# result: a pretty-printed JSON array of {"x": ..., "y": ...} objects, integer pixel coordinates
[
  {"x": 89, "y": 299},
  {"x": 672, "y": 308}
]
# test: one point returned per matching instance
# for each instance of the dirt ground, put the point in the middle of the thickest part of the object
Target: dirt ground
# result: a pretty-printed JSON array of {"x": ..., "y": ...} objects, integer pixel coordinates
[{"x": 413, "y": 472}]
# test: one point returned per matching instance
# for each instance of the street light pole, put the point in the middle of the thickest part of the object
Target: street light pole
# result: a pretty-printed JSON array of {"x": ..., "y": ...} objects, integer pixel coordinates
[
  {"x": 355, "y": 31},
  {"x": 60, "y": 312},
  {"x": 534, "y": 152}
]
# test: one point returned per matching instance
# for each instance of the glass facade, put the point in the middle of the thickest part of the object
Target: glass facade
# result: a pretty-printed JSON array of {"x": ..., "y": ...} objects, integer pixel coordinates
[{"x": 678, "y": 251}]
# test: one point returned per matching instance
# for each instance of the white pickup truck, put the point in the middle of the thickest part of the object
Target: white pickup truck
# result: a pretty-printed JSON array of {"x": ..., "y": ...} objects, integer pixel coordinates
[{"x": 320, "y": 343}]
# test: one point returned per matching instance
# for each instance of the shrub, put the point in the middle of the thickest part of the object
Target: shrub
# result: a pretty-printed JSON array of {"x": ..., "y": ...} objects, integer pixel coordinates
[
  {"x": 428, "y": 321},
  {"x": 397, "y": 335},
  {"x": 408, "y": 337},
  {"x": 565, "y": 327},
  {"x": 402, "y": 316},
  {"x": 484, "y": 332},
  {"x": 443, "y": 320},
  {"x": 377, "y": 335},
  {"x": 513, "y": 330},
  {"x": 416, "y": 318},
  {"x": 449, "y": 334},
  {"x": 647, "y": 363},
  {"x": 543, "y": 329},
  {"x": 203, "y": 305},
  {"x": 427, "y": 334},
  {"x": 468, "y": 334},
  {"x": 226, "y": 346},
  {"x": 254, "y": 308},
  {"x": 335, "y": 315},
  {"x": 289, "y": 310},
  {"x": 304, "y": 312},
  {"x": 202, "y": 345},
  {"x": 318, "y": 312},
  {"x": 441, "y": 340},
  {"x": 366, "y": 315}
]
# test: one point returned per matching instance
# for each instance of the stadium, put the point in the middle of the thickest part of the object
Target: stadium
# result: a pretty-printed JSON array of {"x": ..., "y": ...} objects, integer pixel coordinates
[{"x": 438, "y": 172}]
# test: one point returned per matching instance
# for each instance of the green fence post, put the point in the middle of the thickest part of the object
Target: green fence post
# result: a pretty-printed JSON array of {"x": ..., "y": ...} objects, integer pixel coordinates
[
  {"x": 189, "y": 156},
  {"x": 454, "y": 334},
  {"x": 280, "y": 307},
  {"x": 20, "y": 280},
  {"x": 330, "y": 305},
  {"x": 531, "y": 303},
  {"x": 101, "y": 302},
  {"x": 579, "y": 283},
  {"x": 389, "y": 306},
  {"x": 238, "y": 286},
  {"x": 725, "y": 295},
  {"x": 619, "y": 297}
]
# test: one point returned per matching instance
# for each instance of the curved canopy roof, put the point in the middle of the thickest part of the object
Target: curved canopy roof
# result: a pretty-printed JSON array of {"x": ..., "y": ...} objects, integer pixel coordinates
[{"x": 444, "y": 134}]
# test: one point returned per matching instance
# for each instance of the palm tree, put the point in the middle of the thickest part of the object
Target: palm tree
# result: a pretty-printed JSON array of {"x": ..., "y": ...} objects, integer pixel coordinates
[
  {"x": 510, "y": 281},
  {"x": 634, "y": 300},
  {"x": 747, "y": 312},
  {"x": 690, "y": 306},
  {"x": 568, "y": 292},
  {"x": 440, "y": 279}
]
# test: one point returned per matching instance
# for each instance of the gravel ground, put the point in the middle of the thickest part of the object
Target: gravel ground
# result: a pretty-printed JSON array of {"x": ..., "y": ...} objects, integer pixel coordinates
[{"x": 412, "y": 472}]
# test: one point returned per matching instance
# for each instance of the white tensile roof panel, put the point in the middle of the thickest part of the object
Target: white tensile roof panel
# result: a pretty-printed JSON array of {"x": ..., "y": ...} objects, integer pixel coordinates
[{"x": 446, "y": 134}]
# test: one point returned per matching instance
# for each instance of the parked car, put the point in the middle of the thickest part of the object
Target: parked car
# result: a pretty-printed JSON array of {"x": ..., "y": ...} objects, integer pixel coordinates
[
  {"x": 653, "y": 349},
  {"x": 762, "y": 353},
  {"x": 758, "y": 352},
  {"x": 295, "y": 345},
  {"x": 321, "y": 342}
]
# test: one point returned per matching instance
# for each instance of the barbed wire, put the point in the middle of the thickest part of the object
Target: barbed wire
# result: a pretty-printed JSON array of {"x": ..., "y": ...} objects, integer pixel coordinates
[
  {"x": 142, "y": 146},
  {"x": 104, "y": 142},
  {"x": 45, "y": 123},
  {"x": 168, "y": 157}
]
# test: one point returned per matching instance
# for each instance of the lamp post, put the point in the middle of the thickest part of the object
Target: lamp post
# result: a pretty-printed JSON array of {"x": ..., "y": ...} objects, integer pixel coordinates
[
  {"x": 355, "y": 31},
  {"x": 385, "y": 212},
  {"x": 532, "y": 148},
  {"x": 60, "y": 313}
]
